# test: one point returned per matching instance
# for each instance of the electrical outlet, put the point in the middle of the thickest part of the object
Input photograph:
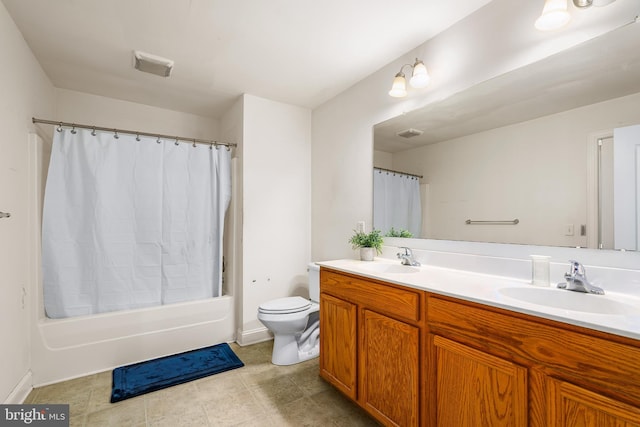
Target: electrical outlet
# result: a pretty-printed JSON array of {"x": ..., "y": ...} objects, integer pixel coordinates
[{"x": 360, "y": 226}]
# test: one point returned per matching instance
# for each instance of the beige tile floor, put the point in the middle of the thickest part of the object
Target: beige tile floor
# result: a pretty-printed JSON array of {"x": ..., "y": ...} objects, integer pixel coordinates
[{"x": 258, "y": 394}]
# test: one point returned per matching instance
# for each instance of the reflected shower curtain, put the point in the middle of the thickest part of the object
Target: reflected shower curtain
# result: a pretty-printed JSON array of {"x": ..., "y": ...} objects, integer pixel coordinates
[
  {"x": 396, "y": 202},
  {"x": 131, "y": 223}
]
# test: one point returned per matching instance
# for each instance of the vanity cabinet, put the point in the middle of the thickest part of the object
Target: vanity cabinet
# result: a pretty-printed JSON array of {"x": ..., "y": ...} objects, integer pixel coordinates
[
  {"x": 570, "y": 405},
  {"x": 338, "y": 343},
  {"x": 527, "y": 371},
  {"x": 474, "y": 388},
  {"x": 371, "y": 345},
  {"x": 410, "y": 357}
]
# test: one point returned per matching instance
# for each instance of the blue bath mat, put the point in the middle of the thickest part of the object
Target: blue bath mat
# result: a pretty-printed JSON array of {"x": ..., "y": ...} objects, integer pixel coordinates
[{"x": 144, "y": 377}]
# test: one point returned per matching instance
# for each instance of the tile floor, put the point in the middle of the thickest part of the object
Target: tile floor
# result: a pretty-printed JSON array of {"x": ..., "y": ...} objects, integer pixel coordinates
[{"x": 258, "y": 394}]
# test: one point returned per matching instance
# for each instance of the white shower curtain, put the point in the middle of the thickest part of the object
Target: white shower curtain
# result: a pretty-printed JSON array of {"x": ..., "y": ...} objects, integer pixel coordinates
[
  {"x": 130, "y": 224},
  {"x": 396, "y": 202}
]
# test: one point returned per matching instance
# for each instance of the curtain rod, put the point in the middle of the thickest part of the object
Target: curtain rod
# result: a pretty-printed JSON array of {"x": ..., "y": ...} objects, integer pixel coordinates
[
  {"x": 401, "y": 173},
  {"x": 133, "y": 132}
]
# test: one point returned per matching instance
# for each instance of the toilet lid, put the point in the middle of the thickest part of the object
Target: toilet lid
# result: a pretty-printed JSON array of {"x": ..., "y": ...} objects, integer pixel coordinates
[{"x": 285, "y": 305}]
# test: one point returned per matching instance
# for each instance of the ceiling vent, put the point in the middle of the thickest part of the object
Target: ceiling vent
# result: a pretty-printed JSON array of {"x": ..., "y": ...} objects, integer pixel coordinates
[
  {"x": 152, "y": 64},
  {"x": 410, "y": 133}
]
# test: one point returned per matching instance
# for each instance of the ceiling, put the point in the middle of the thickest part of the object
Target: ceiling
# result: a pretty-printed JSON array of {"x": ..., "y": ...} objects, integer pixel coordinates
[
  {"x": 600, "y": 69},
  {"x": 300, "y": 52}
]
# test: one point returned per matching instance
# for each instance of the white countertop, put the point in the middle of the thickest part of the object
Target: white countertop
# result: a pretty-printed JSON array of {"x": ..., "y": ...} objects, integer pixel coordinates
[{"x": 490, "y": 290}]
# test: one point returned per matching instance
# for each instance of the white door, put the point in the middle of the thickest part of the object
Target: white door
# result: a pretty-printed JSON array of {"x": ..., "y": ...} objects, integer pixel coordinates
[
  {"x": 605, "y": 194},
  {"x": 626, "y": 187}
]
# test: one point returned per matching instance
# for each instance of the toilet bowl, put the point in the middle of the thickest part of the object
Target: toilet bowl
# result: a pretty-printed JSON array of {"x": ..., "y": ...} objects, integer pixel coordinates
[{"x": 295, "y": 324}]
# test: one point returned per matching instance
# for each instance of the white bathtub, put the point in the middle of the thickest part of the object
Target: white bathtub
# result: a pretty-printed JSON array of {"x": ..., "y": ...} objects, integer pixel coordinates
[{"x": 73, "y": 347}]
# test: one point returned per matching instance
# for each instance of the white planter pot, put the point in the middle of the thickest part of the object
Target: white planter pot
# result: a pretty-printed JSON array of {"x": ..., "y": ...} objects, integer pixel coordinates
[{"x": 367, "y": 254}]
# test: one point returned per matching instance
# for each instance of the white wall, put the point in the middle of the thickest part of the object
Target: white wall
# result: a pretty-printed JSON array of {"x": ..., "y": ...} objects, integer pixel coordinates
[
  {"x": 26, "y": 91},
  {"x": 534, "y": 171},
  {"x": 458, "y": 58},
  {"x": 276, "y": 207},
  {"x": 231, "y": 129},
  {"x": 79, "y": 107},
  {"x": 382, "y": 159}
]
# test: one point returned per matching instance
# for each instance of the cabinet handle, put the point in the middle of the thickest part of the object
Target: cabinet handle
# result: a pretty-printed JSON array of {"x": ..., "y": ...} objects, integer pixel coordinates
[{"x": 4, "y": 215}]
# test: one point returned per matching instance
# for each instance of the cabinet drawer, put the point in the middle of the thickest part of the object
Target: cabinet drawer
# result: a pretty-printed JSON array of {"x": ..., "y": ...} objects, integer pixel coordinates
[{"x": 368, "y": 293}]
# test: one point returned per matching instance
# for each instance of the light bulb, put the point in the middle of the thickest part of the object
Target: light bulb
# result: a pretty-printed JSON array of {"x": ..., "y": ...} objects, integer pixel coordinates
[
  {"x": 420, "y": 77},
  {"x": 399, "y": 86},
  {"x": 554, "y": 15}
]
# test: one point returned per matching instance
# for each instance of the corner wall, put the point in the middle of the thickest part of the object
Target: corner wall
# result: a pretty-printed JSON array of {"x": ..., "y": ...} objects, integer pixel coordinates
[{"x": 276, "y": 207}]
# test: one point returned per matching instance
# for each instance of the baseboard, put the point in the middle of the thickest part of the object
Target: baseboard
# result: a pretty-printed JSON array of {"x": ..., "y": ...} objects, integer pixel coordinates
[
  {"x": 253, "y": 336},
  {"x": 21, "y": 390}
]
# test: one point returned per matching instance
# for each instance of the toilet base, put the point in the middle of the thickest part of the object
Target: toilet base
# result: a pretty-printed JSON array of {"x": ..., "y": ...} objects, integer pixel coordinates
[{"x": 287, "y": 351}]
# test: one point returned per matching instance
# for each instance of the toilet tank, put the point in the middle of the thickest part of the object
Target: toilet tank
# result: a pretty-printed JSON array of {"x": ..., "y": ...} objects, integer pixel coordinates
[{"x": 314, "y": 282}]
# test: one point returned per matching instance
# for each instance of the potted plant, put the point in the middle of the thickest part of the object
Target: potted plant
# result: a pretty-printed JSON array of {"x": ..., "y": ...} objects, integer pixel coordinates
[
  {"x": 399, "y": 233},
  {"x": 367, "y": 242}
]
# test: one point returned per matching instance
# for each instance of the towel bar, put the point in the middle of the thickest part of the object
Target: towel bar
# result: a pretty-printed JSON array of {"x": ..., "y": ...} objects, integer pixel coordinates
[{"x": 508, "y": 222}]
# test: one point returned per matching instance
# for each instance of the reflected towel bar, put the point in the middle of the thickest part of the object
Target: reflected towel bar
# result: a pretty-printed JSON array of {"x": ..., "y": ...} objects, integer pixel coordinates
[{"x": 510, "y": 222}]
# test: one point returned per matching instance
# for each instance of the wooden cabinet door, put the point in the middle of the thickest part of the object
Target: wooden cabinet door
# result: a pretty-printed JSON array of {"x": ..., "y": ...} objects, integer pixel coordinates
[
  {"x": 477, "y": 389},
  {"x": 389, "y": 369},
  {"x": 338, "y": 343},
  {"x": 573, "y": 406}
]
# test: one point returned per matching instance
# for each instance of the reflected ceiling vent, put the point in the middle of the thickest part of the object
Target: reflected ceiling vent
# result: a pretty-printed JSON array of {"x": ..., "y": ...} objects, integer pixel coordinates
[
  {"x": 152, "y": 64},
  {"x": 410, "y": 133}
]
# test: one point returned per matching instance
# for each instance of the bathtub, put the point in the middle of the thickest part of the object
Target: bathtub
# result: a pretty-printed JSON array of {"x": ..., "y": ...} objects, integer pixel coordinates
[
  {"x": 62, "y": 349},
  {"x": 67, "y": 348}
]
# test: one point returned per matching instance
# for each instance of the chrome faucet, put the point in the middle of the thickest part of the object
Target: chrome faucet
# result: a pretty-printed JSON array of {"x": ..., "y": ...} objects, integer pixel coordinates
[
  {"x": 576, "y": 280},
  {"x": 407, "y": 257}
]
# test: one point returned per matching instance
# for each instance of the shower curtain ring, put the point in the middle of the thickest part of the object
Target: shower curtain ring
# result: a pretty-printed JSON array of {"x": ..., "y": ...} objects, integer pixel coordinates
[
  {"x": 59, "y": 129},
  {"x": 115, "y": 134},
  {"x": 93, "y": 132},
  {"x": 228, "y": 147},
  {"x": 158, "y": 141},
  {"x": 73, "y": 129},
  {"x": 211, "y": 146},
  {"x": 194, "y": 143},
  {"x": 176, "y": 143},
  {"x": 138, "y": 137}
]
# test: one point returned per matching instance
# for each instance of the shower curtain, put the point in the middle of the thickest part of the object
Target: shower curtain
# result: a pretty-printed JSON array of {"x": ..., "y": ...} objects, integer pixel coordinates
[
  {"x": 131, "y": 221},
  {"x": 396, "y": 202}
]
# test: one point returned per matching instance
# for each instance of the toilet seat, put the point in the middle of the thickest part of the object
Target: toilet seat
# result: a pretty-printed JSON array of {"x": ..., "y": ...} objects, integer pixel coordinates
[{"x": 285, "y": 305}]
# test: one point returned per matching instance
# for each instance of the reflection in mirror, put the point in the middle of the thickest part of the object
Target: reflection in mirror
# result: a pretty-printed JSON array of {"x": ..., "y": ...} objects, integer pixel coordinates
[
  {"x": 525, "y": 145},
  {"x": 397, "y": 205}
]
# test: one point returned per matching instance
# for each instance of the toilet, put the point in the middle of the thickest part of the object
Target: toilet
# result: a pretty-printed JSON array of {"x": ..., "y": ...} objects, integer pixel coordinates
[{"x": 295, "y": 323}]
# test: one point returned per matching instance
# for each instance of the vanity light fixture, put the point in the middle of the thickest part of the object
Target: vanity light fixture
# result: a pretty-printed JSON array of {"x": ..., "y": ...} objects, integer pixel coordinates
[
  {"x": 419, "y": 79},
  {"x": 582, "y": 3},
  {"x": 588, "y": 3},
  {"x": 554, "y": 15}
]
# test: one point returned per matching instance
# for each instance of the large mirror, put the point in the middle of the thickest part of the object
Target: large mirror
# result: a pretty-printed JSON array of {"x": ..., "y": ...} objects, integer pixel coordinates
[{"x": 522, "y": 158}]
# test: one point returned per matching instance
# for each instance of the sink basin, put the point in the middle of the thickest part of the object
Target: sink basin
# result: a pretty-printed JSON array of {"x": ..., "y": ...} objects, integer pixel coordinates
[
  {"x": 390, "y": 268},
  {"x": 569, "y": 300}
]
